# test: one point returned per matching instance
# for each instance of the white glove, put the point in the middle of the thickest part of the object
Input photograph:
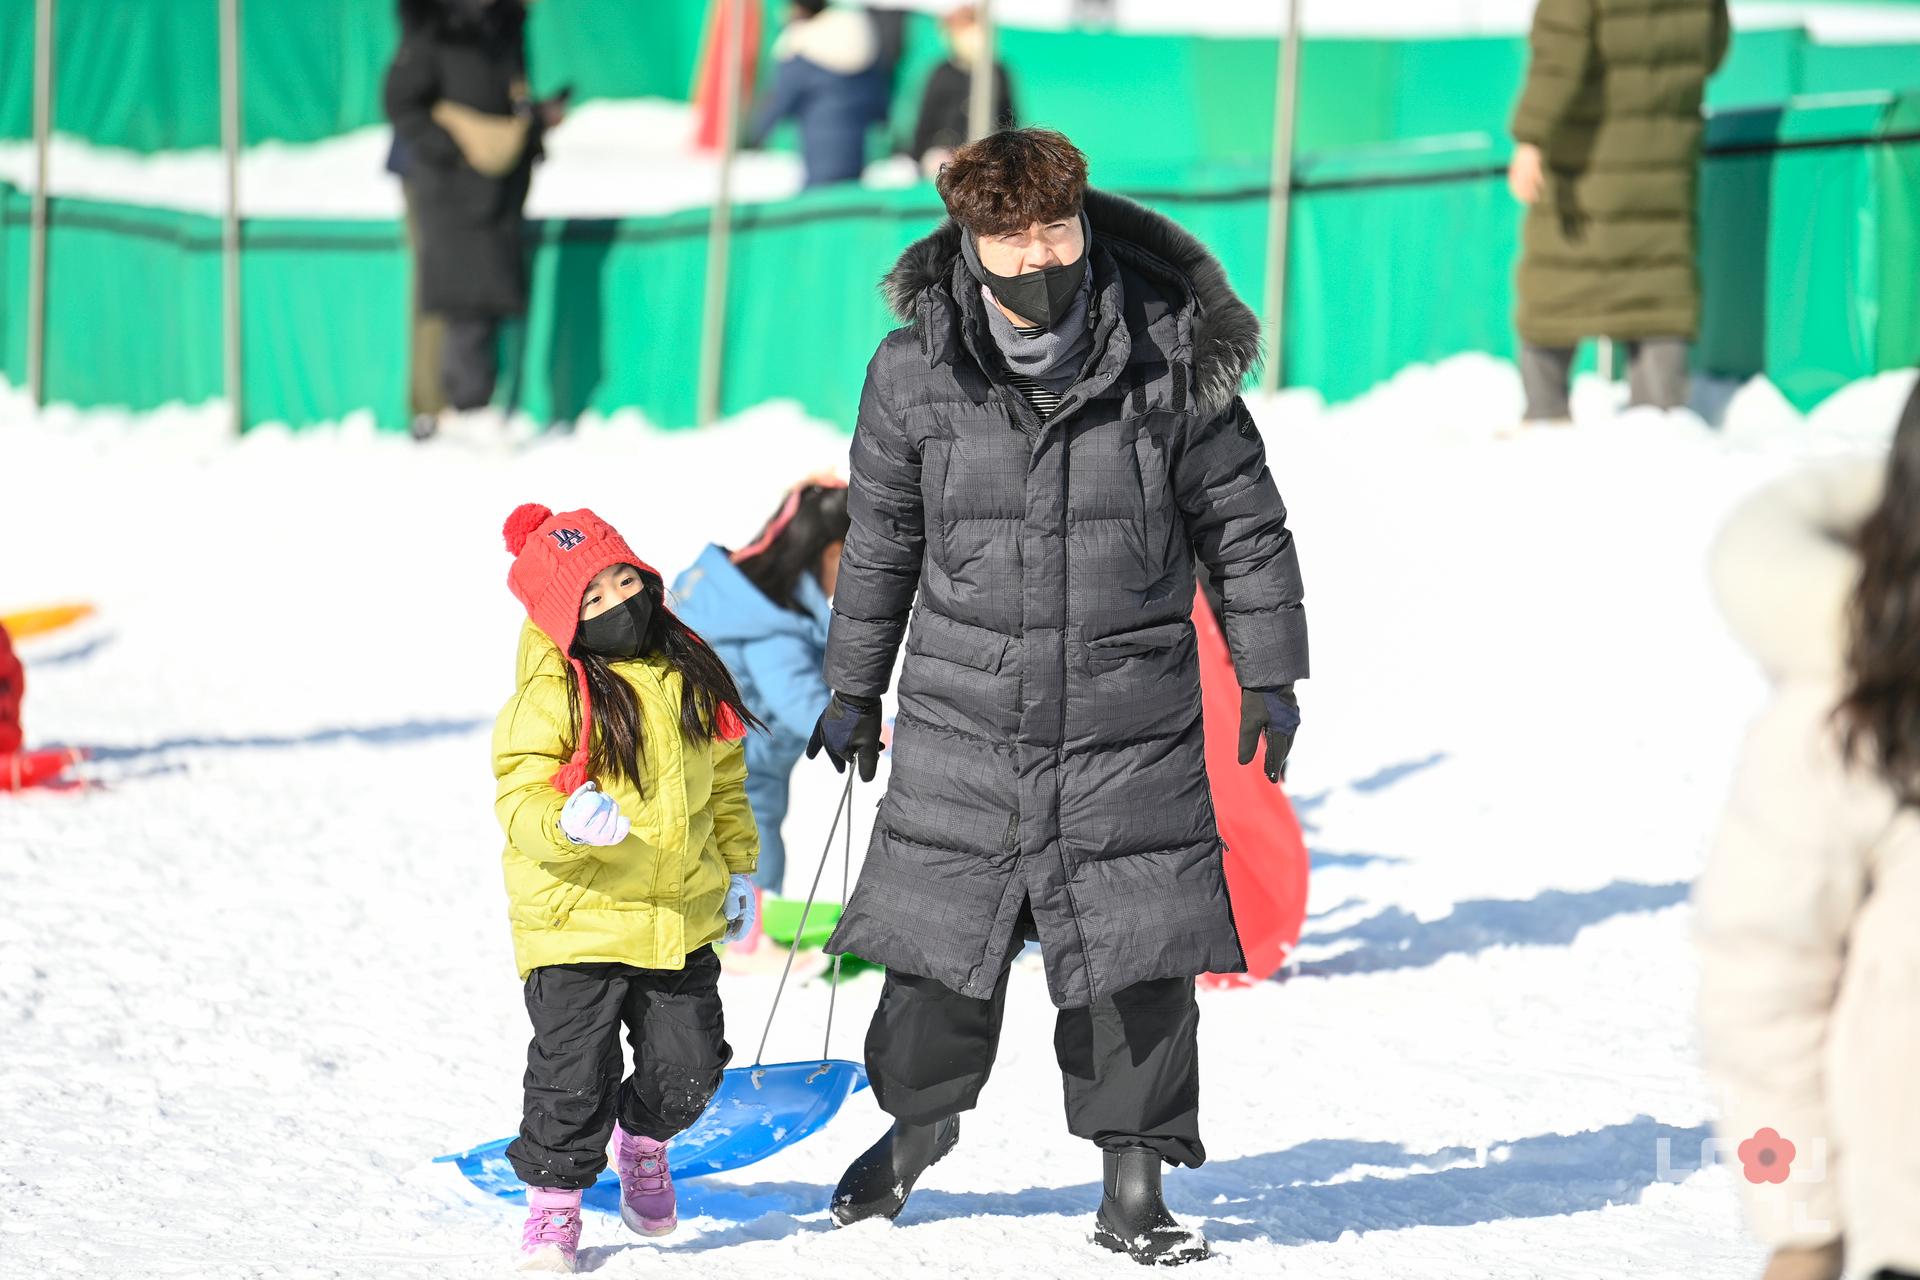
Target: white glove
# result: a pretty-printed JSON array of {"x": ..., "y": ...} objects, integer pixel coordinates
[
  {"x": 741, "y": 908},
  {"x": 591, "y": 817}
]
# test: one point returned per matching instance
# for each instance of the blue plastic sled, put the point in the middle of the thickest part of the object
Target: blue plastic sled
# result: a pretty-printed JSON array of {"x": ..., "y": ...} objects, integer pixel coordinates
[{"x": 756, "y": 1112}]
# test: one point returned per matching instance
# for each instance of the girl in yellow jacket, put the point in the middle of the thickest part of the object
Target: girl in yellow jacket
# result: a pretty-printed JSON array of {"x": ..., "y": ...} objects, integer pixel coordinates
[{"x": 630, "y": 851}]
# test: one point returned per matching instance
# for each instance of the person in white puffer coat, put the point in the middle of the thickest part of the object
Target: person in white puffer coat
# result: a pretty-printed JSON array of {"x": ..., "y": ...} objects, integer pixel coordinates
[{"x": 1808, "y": 913}]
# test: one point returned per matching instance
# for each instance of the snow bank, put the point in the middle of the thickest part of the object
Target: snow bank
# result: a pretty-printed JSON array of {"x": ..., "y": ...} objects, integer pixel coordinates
[
  {"x": 607, "y": 159},
  {"x": 1827, "y": 21}
]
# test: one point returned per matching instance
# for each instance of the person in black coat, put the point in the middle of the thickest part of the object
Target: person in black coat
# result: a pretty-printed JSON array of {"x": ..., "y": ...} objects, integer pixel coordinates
[
  {"x": 466, "y": 136},
  {"x": 1046, "y": 451},
  {"x": 942, "y": 123}
]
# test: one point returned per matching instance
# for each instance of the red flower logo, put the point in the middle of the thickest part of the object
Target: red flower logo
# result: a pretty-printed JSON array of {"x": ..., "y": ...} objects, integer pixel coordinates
[{"x": 1767, "y": 1156}]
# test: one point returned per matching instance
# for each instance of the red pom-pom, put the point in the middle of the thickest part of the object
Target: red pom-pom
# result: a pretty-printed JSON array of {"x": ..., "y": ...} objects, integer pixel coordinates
[
  {"x": 526, "y": 517},
  {"x": 728, "y": 724},
  {"x": 570, "y": 778}
]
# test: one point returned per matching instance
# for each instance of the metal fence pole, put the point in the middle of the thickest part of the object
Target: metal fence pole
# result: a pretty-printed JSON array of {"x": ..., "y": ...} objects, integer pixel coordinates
[
  {"x": 1285, "y": 112},
  {"x": 37, "y": 230},
  {"x": 733, "y": 30},
  {"x": 980, "y": 117},
  {"x": 230, "y": 139}
]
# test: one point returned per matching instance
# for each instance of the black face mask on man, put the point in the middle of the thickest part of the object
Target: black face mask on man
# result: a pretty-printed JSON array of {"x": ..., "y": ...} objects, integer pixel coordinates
[
  {"x": 1040, "y": 297},
  {"x": 622, "y": 632}
]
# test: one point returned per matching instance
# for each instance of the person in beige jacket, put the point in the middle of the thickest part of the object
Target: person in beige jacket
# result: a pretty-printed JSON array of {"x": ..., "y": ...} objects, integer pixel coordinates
[{"x": 1808, "y": 913}]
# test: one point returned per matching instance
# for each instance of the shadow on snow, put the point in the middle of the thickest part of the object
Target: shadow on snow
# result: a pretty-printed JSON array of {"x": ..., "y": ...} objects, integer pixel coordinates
[
  {"x": 381, "y": 735},
  {"x": 1396, "y": 939},
  {"x": 1285, "y": 1197}
]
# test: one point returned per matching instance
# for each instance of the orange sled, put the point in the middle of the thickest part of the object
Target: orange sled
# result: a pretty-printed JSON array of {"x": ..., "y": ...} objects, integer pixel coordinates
[{"x": 34, "y": 622}]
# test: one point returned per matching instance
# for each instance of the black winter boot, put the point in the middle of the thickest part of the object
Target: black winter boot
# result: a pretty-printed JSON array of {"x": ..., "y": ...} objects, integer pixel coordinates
[
  {"x": 1133, "y": 1219},
  {"x": 878, "y": 1183}
]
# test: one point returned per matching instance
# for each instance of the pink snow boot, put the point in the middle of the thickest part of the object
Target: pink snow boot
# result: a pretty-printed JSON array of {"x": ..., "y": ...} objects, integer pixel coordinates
[
  {"x": 646, "y": 1184},
  {"x": 551, "y": 1237}
]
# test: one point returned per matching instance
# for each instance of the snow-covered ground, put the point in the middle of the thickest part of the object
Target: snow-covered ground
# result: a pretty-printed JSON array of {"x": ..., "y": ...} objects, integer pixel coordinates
[
  {"x": 630, "y": 158},
  {"x": 253, "y": 980}
]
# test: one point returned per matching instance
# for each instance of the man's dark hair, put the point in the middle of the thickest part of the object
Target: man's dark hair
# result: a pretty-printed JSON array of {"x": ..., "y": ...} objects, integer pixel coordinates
[
  {"x": 1008, "y": 181},
  {"x": 811, "y": 8}
]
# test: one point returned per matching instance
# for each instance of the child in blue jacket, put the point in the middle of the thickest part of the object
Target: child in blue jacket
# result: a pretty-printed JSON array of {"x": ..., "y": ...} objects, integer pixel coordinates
[
  {"x": 830, "y": 79},
  {"x": 764, "y": 610}
]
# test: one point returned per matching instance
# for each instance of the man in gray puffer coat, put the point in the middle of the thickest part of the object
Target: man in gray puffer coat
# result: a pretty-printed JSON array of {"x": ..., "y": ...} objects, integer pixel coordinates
[{"x": 1044, "y": 456}]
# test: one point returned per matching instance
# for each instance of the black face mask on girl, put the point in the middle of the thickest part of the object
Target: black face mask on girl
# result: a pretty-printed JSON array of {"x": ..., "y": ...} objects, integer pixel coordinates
[{"x": 622, "y": 632}]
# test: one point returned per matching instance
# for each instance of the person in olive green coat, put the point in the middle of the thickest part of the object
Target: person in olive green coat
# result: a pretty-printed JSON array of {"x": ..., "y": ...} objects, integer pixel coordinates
[{"x": 1608, "y": 145}]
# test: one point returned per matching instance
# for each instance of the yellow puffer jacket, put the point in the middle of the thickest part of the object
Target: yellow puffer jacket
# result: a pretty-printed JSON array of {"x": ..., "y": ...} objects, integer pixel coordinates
[{"x": 656, "y": 896}]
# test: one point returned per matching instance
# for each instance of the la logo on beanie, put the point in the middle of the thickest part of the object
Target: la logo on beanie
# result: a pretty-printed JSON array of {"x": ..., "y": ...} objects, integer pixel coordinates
[{"x": 567, "y": 539}]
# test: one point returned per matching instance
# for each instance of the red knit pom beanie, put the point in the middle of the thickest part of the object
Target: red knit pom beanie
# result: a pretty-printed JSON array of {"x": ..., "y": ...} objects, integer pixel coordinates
[{"x": 554, "y": 558}]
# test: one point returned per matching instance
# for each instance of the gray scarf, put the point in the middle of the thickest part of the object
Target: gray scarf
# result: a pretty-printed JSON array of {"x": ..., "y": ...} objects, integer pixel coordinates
[{"x": 1054, "y": 357}]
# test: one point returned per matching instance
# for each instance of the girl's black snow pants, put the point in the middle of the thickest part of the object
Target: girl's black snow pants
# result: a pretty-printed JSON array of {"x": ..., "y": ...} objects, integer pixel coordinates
[{"x": 574, "y": 1092}]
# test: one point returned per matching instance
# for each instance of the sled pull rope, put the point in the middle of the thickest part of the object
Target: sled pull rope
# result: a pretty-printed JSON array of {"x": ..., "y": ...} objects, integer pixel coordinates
[
  {"x": 842, "y": 810},
  {"x": 846, "y": 879}
]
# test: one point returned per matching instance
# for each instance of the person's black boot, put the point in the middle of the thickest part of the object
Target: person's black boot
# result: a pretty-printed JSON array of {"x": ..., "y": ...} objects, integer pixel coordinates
[
  {"x": 878, "y": 1183},
  {"x": 1133, "y": 1219}
]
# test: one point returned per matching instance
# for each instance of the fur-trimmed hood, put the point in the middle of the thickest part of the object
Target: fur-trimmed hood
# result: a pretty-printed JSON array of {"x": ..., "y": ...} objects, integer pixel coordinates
[
  {"x": 1224, "y": 332},
  {"x": 1784, "y": 568}
]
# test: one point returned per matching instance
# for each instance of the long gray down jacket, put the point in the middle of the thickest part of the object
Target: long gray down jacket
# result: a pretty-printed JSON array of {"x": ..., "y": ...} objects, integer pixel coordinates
[{"x": 1048, "y": 743}]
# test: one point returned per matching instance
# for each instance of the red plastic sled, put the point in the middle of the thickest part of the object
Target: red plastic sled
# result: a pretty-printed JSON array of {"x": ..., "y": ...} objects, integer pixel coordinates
[
  {"x": 22, "y": 769},
  {"x": 1266, "y": 854}
]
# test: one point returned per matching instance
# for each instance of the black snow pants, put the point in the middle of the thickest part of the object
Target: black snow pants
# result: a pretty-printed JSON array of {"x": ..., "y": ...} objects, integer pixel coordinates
[
  {"x": 574, "y": 1092},
  {"x": 1131, "y": 1062}
]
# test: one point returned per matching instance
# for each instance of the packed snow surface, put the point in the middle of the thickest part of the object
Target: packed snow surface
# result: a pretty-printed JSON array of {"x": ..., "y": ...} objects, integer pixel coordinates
[{"x": 257, "y": 973}]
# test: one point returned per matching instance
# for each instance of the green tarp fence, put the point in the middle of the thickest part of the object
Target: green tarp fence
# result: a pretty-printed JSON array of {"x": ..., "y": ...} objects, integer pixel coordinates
[
  {"x": 1810, "y": 258},
  {"x": 143, "y": 74}
]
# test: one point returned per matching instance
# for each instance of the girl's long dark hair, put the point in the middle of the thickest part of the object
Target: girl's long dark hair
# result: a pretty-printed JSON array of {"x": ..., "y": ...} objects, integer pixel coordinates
[
  {"x": 619, "y": 747},
  {"x": 1880, "y": 714},
  {"x": 818, "y": 522}
]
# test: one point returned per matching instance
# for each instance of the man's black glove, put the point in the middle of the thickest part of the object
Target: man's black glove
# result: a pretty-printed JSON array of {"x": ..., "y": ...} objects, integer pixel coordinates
[
  {"x": 850, "y": 730},
  {"x": 1274, "y": 713}
]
